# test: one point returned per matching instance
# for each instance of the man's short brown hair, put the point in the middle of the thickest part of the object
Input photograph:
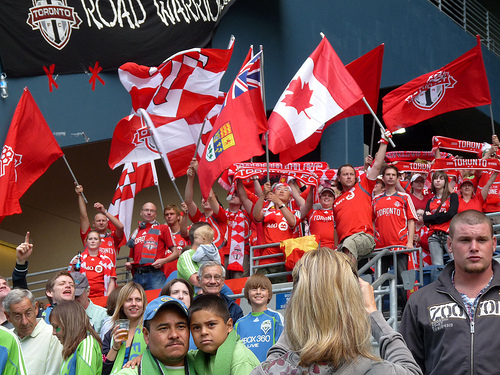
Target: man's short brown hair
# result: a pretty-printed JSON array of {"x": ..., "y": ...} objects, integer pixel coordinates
[
  {"x": 49, "y": 287},
  {"x": 470, "y": 217}
]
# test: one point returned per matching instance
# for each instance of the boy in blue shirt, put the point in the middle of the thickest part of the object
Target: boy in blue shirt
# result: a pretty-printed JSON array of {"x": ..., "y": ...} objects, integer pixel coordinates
[{"x": 260, "y": 329}]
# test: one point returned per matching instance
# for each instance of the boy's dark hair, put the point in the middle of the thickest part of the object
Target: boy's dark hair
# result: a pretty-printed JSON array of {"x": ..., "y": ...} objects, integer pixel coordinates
[
  {"x": 212, "y": 303},
  {"x": 258, "y": 280},
  {"x": 193, "y": 229}
]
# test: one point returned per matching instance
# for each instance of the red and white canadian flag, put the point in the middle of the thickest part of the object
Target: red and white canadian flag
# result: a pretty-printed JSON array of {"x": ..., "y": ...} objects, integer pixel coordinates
[
  {"x": 134, "y": 178},
  {"x": 178, "y": 95},
  {"x": 319, "y": 91}
]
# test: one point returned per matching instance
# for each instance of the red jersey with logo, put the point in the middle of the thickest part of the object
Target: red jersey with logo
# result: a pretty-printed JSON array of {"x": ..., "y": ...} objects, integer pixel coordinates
[
  {"x": 99, "y": 271},
  {"x": 110, "y": 243},
  {"x": 218, "y": 223},
  {"x": 276, "y": 229},
  {"x": 391, "y": 214},
  {"x": 440, "y": 219},
  {"x": 321, "y": 223},
  {"x": 353, "y": 209},
  {"x": 492, "y": 203},
  {"x": 153, "y": 236}
]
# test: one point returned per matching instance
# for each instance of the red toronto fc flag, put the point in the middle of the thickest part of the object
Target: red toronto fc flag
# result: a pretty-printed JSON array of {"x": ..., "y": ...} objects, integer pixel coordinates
[
  {"x": 134, "y": 178},
  {"x": 458, "y": 85},
  {"x": 178, "y": 95},
  {"x": 30, "y": 148},
  {"x": 235, "y": 136},
  {"x": 319, "y": 91},
  {"x": 367, "y": 72}
]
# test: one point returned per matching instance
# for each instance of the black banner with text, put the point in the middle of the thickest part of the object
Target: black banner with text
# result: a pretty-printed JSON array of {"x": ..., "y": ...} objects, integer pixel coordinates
[{"x": 75, "y": 34}]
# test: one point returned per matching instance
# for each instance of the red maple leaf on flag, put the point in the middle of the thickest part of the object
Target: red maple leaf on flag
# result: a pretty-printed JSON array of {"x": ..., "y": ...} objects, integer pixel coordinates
[{"x": 300, "y": 96}]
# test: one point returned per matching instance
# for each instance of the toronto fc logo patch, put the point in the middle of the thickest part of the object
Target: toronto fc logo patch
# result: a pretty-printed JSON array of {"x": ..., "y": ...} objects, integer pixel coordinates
[
  {"x": 430, "y": 94},
  {"x": 221, "y": 141},
  {"x": 55, "y": 20},
  {"x": 8, "y": 156}
]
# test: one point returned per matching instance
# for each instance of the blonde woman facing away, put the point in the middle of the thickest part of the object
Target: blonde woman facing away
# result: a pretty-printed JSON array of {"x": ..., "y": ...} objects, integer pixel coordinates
[{"x": 328, "y": 321}]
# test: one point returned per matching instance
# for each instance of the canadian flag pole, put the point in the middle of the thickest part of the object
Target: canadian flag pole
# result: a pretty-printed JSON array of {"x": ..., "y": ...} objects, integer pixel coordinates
[
  {"x": 382, "y": 129},
  {"x": 154, "y": 136},
  {"x": 263, "y": 92}
]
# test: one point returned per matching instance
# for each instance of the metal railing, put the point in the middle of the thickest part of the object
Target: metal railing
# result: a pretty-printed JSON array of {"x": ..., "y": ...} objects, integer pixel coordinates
[{"x": 475, "y": 19}]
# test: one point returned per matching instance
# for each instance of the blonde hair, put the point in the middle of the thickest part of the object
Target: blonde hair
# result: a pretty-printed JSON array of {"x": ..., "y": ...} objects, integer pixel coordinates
[
  {"x": 205, "y": 231},
  {"x": 326, "y": 320},
  {"x": 123, "y": 295}
]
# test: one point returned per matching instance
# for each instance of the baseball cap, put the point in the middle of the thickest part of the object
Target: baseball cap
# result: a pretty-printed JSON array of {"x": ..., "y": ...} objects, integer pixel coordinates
[
  {"x": 155, "y": 305},
  {"x": 326, "y": 188},
  {"x": 81, "y": 283},
  {"x": 415, "y": 176}
]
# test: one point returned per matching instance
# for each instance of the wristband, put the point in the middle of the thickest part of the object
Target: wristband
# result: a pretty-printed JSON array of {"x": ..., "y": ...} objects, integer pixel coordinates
[
  {"x": 105, "y": 211},
  {"x": 114, "y": 348},
  {"x": 384, "y": 141},
  {"x": 283, "y": 205}
]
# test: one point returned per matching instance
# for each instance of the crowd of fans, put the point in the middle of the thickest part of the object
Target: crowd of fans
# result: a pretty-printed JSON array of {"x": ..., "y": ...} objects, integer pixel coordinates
[{"x": 331, "y": 314}]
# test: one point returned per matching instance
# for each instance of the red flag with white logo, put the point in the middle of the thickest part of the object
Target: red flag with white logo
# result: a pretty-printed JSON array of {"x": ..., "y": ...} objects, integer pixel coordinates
[
  {"x": 319, "y": 91},
  {"x": 458, "y": 85},
  {"x": 178, "y": 95},
  {"x": 29, "y": 150},
  {"x": 367, "y": 72},
  {"x": 134, "y": 178}
]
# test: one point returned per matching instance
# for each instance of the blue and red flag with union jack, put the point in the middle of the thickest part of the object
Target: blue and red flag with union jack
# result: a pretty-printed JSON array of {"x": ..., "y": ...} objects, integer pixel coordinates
[{"x": 235, "y": 134}]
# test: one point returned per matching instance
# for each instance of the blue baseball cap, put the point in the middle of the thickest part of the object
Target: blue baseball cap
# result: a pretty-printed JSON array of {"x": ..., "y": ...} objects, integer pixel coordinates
[{"x": 155, "y": 305}]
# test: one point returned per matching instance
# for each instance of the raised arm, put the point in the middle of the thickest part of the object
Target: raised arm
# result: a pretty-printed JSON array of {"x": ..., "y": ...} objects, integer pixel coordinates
[
  {"x": 189, "y": 192},
  {"x": 242, "y": 194},
  {"x": 184, "y": 221},
  {"x": 296, "y": 193},
  {"x": 379, "y": 158},
  {"x": 114, "y": 220},
  {"x": 258, "y": 215},
  {"x": 84, "y": 218},
  {"x": 308, "y": 203},
  {"x": 486, "y": 188}
]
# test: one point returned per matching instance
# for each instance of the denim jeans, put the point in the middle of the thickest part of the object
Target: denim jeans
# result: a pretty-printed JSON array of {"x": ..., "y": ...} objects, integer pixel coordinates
[
  {"x": 150, "y": 280},
  {"x": 438, "y": 245}
]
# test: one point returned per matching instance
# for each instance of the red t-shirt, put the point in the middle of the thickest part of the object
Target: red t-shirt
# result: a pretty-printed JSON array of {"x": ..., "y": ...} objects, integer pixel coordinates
[
  {"x": 276, "y": 229},
  {"x": 391, "y": 214},
  {"x": 433, "y": 208},
  {"x": 99, "y": 271},
  {"x": 165, "y": 241},
  {"x": 321, "y": 223},
  {"x": 418, "y": 203},
  {"x": 475, "y": 203},
  {"x": 353, "y": 209},
  {"x": 110, "y": 243}
]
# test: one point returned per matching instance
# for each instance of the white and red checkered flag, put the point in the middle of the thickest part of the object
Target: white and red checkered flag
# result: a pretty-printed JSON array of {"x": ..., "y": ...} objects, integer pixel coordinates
[
  {"x": 134, "y": 178},
  {"x": 177, "y": 95}
]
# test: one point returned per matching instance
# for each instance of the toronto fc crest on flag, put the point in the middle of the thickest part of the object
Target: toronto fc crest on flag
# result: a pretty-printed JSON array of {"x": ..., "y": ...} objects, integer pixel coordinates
[
  {"x": 55, "y": 20},
  {"x": 220, "y": 142},
  {"x": 430, "y": 94}
]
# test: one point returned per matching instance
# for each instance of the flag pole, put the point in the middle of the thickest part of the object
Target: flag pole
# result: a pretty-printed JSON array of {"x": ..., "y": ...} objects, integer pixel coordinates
[
  {"x": 74, "y": 178},
  {"x": 263, "y": 92},
  {"x": 154, "y": 137},
  {"x": 492, "y": 121},
  {"x": 153, "y": 168},
  {"x": 199, "y": 137},
  {"x": 382, "y": 129},
  {"x": 373, "y": 137}
]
